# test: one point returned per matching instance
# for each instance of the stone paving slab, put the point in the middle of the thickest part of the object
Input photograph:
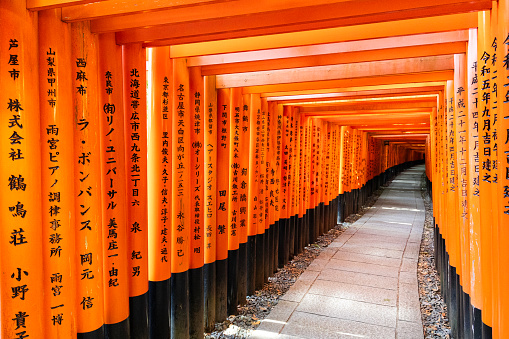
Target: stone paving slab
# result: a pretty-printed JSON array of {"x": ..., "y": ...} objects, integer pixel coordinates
[
  {"x": 366, "y": 249},
  {"x": 366, "y": 258},
  {"x": 360, "y": 279},
  {"x": 364, "y": 285}
]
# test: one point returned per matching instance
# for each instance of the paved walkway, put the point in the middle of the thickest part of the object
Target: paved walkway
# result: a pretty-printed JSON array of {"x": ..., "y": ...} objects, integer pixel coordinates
[{"x": 364, "y": 285}]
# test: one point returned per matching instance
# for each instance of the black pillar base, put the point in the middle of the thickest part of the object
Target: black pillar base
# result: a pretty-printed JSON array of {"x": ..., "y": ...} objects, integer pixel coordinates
[
  {"x": 119, "y": 330},
  {"x": 138, "y": 316},
  {"x": 242, "y": 272},
  {"x": 196, "y": 303},
  {"x": 209, "y": 296},
  {"x": 221, "y": 290},
  {"x": 159, "y": 297},
  {"x": 179, "y": 305},
  {"x": 96, "y": 334}
]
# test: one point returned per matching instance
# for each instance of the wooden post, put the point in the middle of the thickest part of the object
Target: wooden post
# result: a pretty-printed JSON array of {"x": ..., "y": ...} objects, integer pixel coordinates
[
  {"x": 21, "y": 249},
  {"x": 210, "y": 202},
  {"x": 503, "y": 214},
  {"x": 113, "y": 174},
  {"x": 461, "y": 146},
  {"x": 253, "y": 173},
  {"x": 135, "y": 126},
  {"x": 243, "y": 187},
  {"x": 223, "y": 155},
  {"x": 181, "y": 203},
  {"x": 89, "y": 251},
  {"x": 57, "y": 174},
  {"x": 234, "y": 126},
  {"x": 485, "y": 177},
  {"x": 197, "y": 196},
  {"x": 159, "y": 169}
]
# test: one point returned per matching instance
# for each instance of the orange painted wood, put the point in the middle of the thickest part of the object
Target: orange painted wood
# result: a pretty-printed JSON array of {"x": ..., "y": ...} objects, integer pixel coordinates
[
  {"x": 243, "y": 182},
  {"x": 197, "y": 172},
  {"x": 21, "y": 258},
  {"x": 463, "y": 153},
  {"x": 135, "y": 117},
  {"x": 335, "y": 72},
  {"x": 337, "y": 48},
  {"x": 38, "y": 5},
  {"x": 181, "y": 166},
  {"x": 503, "y": 51},
  {"x": 317, "y": 36},
  {"x": 58, "y": 160},
  {"x": 390, "y": 80},
  {"x": 485, "y": 186},
  {"x": 122, "y": 7},
  {"x": 494, "y": 107},
  {"x": 223, "y": 182},
  {"x": 248, "y": 17},
  {"x": 338, "y": 58},
  {"x": 254, "y": 164},
  {"x": 262, "y": 185},
  {"x": 234, "y": 169},
  {"x": 210, "y": 163},
  {"x": 89, "y": 260},
  {"x": 159, "y": 165},
  {"x": 113, "y": 174}
]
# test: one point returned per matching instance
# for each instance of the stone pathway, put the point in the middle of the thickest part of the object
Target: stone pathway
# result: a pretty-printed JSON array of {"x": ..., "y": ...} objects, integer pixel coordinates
[{"x": 364, "y": 285}]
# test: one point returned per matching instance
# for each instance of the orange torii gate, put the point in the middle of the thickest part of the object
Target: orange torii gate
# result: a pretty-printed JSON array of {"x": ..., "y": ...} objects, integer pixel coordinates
[{"x": 158, "y": 218}]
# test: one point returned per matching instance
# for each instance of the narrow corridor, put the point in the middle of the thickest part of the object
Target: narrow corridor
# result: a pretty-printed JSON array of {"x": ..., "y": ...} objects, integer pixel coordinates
[{"x": 364, "y": 285}]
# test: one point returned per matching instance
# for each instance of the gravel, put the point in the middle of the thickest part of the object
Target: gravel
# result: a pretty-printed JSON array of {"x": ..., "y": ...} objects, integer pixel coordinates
[{"x": 433, "y": 307}]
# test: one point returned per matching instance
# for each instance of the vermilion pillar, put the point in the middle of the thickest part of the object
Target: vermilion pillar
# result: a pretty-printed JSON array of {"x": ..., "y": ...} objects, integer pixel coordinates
[
  {"x": 135, "y": 136},
  {"x": 503, "y": 188},
  {"x": 210, "y": 200},
  {"x": 181, "y": 202},
  {"x": 223, "y": 154},
  {"x": 21, "y": 258},
  {"x": 485, "y": 177},
  {"x": 243, "y": 187},
  {"x": 113, "y": 174},
  {"x": 57, "y": 175},
  {"x": 503, "y": 194},
  {"x": 87, "y": 183},
  {"x": 234, "y": 125},
  {"x": 159, "y": 169},
  {"x": 252, "y": 198},
  {"x": 197, "y": 196}
]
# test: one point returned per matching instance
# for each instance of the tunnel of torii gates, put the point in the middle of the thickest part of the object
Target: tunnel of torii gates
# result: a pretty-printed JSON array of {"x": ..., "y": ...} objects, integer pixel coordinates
[{"x": 161, "y": 159}]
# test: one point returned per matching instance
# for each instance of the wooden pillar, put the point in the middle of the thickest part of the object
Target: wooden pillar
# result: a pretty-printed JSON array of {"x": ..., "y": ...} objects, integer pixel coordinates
[
  {"x": 278, "y": 117},
  {"x": 159, "y": 169},
  {"x": 493, "y": 104},
  {"x": 485, "y": 176},
  {"x": 210, "y": 202},
  {"x": 503, "y": 187},
  {"x": 88, "y": 188},
  {"x": 21, "y": 249},
  {"x": 181, "y": 203},
  {"x": 284, "y": 207},
  {"x": 113, "y": 174},
  {"x": 263, "y": 196},
  {"x": 243, "y": 187},
  {"x": 197, "y": 196},
  {"x": 234, "y": 125},
  {"x": 252, "y": 217},
  {"x": 462, "y": 154},
  {"x": 135, "y": 126},
  {"x": 57, "y": 175},
  {"x": 223, "y": 155}
]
